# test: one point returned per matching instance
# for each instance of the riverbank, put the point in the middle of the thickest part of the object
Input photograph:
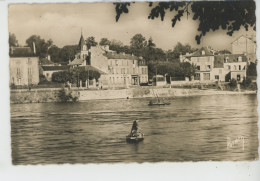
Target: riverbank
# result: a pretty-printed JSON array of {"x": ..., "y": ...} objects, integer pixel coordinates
[{"x": 52, "y": 95}]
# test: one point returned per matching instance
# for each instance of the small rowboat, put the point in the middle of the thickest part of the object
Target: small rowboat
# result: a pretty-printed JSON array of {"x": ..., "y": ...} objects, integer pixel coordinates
[
  {"x": 158, "y": 103},
  {"x": 135, "y": 138}
]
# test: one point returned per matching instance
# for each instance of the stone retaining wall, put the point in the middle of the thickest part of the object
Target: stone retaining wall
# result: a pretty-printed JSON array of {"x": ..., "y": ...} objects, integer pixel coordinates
[{"x": 35, "y": 96}]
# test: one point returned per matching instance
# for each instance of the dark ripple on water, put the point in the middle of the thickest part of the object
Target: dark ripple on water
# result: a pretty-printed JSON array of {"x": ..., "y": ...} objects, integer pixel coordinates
[{"x": 190, "y": 129}]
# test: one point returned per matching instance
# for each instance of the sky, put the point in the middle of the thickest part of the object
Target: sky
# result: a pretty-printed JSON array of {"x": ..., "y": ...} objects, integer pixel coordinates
[{"x": 63, "y": 22}]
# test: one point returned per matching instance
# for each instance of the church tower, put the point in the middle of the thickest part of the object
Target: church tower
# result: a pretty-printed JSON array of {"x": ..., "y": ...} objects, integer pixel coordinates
[{"x": 82, "y": 44}]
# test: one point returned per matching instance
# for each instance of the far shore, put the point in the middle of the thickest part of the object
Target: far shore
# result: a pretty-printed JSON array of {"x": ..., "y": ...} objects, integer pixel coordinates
[{"x": 51, "y": 95}]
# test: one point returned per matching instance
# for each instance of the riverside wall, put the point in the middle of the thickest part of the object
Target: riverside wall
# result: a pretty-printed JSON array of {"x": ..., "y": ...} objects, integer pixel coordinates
[{"x": 51, "y": 95}]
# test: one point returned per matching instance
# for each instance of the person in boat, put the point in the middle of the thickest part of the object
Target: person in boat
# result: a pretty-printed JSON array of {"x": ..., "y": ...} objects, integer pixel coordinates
[{"x": 134, "y": 128}]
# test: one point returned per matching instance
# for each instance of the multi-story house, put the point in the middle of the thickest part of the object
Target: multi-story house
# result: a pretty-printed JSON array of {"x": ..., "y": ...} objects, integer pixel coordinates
[
  {"x": 217, "y": 67},
  {"x": 126, "y": 69},
  {"x": 24, "y": 66},
  {"x": 116, "y": 69},
  {"x": 203, "y": 59},
  {"x": 233, "y": 67}
]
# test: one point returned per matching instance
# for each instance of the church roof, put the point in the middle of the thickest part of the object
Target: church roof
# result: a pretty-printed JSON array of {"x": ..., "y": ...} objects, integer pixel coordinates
[{"x": 81, "y": 43}]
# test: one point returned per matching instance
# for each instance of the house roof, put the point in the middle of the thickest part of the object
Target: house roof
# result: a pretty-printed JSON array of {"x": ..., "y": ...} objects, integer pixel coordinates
[
  {"x": 91, "y": 68},
  {"x": 198, "y": 53},
  {"x": 76, "y": 62},
  {"x": 53, "y": 68},
  {"x": 232, "y": 58},
  {"x": 120, "y": 56},
  {"x": 21, "y": 52}
]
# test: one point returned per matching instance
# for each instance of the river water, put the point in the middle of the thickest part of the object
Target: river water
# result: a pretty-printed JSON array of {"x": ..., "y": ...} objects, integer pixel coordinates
[{"x": 199, "y": 128}]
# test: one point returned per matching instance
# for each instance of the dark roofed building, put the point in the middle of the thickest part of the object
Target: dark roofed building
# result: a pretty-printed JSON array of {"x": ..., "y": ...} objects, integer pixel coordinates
[
  {"x": 24, "y": 66},
  {"x": 121, "y": 56},
  {"x": 230, "y": 58},
  {"x": 47, "y": 71},
  {"x": 201, "y": 52},
  {"x": 21, "y": 52}
]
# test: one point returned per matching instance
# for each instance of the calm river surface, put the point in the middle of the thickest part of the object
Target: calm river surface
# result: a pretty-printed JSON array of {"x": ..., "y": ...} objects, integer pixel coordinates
[{"x": 190, "y": 129}]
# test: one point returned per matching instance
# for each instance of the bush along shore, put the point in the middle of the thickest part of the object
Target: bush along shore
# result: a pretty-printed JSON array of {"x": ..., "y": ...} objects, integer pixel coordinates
[{"x": 75, "y": 94}]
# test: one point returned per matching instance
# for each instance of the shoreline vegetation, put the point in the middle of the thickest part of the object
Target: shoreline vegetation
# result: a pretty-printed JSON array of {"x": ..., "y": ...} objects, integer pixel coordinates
[{"x": 21, "y": 96}]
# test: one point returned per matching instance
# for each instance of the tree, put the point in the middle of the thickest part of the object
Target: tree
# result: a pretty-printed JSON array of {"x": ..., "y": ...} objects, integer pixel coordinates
[
  {"x": 116, "y": 45},
  {"x": 187, "y": 69},
  {"x": 12, "y": 40},
  {"x": 68, "y": 52},
  {"x": 212, "y": 15},
  {"x": 54, "y": 53},
  {"x": 104, "y": 41},
  {"x": 251, "y": 70},
  {"x": 148, "y": 52},
  {"x": 181, "y": 49},
  {"x": 137, "y": 44},
  {"x": 40, "y": 44},
  {"x": 91, "y": 42}
]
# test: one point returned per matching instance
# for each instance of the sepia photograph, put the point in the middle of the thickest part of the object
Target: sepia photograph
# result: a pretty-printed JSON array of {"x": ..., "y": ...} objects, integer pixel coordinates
[{"x": 125, "y": 82}]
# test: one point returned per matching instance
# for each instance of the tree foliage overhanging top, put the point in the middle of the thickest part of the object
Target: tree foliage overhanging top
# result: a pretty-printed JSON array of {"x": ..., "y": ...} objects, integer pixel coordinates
[{"x": 212, "y": 15}]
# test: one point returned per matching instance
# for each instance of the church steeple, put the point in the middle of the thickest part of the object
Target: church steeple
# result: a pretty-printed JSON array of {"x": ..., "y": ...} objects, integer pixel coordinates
[{"x": 81, "y": 42}]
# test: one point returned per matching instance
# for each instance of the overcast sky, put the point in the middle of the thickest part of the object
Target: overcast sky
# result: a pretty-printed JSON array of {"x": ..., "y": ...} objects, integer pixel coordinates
[{"x": 63, "y": 22}]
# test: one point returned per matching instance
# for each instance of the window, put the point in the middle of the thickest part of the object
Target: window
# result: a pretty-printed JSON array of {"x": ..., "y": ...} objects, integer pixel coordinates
[
  {"x": 228, "y": 67},
  {"x": 235, "y": 67},
  {"x": 18, "y": 71},
  {"x": 29, "y": 71},
  {"x": 239, "y": 59},
  {"x": 220, "y": 71},
  {"x": 208, "y": 67},
  {"x": 239, "y": 67},
  {"x": 116, "y": 63},
  {"x": 198, "y": 67},
  {"x": 47, "y": 74},
  {"x": 226, "y": 59},
  {"x": 29, "y": 61},
  {"x": 206, "y": 76},
  {"x": 123, "y": 71},
  {"x": 217, "y": 77},
  {"x": 197, "y": 76}
]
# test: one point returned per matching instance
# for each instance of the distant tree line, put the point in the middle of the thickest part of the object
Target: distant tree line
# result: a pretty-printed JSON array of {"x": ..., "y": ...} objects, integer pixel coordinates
[{"x": 158, "y": 60}]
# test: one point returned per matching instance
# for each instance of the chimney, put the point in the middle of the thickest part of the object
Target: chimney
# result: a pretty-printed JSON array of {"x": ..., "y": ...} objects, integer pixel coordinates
[
  {"x": 34, "y": 49},
  {"x": 12, "y": 50}
]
